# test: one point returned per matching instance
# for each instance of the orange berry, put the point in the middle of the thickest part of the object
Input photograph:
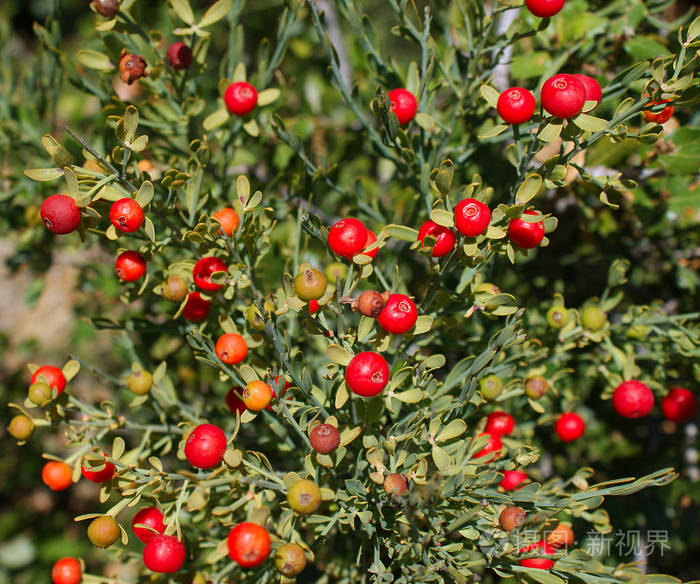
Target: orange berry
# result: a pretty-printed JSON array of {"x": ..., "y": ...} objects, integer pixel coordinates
[
  {"x": 57, "y": 475},
  {"x": 256, "y": 395},
  {"x": 231, "y": 348},
  {"x": 229, "y": 220},
  {"x": 561, "y": 536}
]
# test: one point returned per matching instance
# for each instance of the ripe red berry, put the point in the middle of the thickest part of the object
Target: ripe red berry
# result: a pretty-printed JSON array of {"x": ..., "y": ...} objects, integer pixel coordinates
[
  {"x": 130, "y": 266},
  {"x": 367, "y": 374},
  {"x": 541, "y": 563},
  {"x": 98, "y": 476},
  {"x": 240, "y": 98},
  {"x": 203, "y": 271},
  {"x": 371, "y": 239},
  {"x": 444, "y": 238},
  {"x": 164, "y": 554},
  {"x": 196, "y": 308},
  {"x": 679, "y": 405},
  {"x": 591, "y": 87},
  {"x": 324, "y": 438},
  {"x": 313, "y": 306},
  {"x": 399, "y": 314},
  {"x": 403, "y": 104},
  {"x": 248, "y": 544},
  {"x": 57, "y": 475},
  {"x": 563, "y": 96},
  {"x": 524, "y": 234},
  {"x": 516, "y": 105},
  {"x": 472, "y": 217},
  {"x": 66, "y": 571},
  {"x": 179, "y": 55},
  {"x": 663, "y": 116},
  {"x": 60, "y": 214},
  {"x": 231, "y": 348},
  {"x": 150, "y": 517},
  {"x": 513, "y": 480},
  {"x": 544, "y": 8},
  {"x": 126, "y": 215},
  {"x": 52, "y": 375},
  {"x": 569, "y": 427},
  {"x": 347, "y": 237},
  {"x": 493, "y": 445},
  {"x": 499, "y": 423},
  {"x": 205, "y": 446},
  {"x": 234, "y": 402},
  {"x": 633, "y": 399}
]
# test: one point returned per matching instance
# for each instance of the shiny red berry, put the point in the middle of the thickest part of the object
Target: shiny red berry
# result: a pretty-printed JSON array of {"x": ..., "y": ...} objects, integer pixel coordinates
[
  {"x": 513, "y": 480},
  {"x": 234, "y": 402},
  {"x": 148, "y": 523},
  {"x": 203, "y": 271},
  {"x": 240, "y": 98},
  {"x": 179, "y": 55},
  {"x": 444, "y": 238},
  {"x": 98, "y": 476},
  {"x": 544, "y": 8},
  {"x": 324, "y": 438},
  {"x": 679, "y": 405},
  {"x": 248, "y": 544},
  {"x": 130, "y": 266},
  {"x": 60, "y": 214},
  {"x": 205, "y": 446},
  {"x": 371, "y": 239},
  {"x": 367, "y": 374},
  {"x": 499, "y": 423},
  {"x": 516, "y": 105},
  {"x": 126, "y": 215},
  {"x": 494, "y": 445},
  {"x": 347, "y": 237},
  {"x": 591, "y": 87},
  {"x": 164, "y": 554},
  {"x": 569, "y": 427},
  {"x": 52, "y": 375},
  {"x": 563, "y": 96},
  {"x": 399, "y": 314},
  {"x": 196, "y": 308},
  {"x": 403, "y": 104},
  {"x": 660, "y": 117},
  {"x": 525, "y": 234},
  {"x": 633, "y": 399},
  {"x": 541, "y": 563},
  {"x": 472, "y": 217},
  {"x": 66, "y": 571}
]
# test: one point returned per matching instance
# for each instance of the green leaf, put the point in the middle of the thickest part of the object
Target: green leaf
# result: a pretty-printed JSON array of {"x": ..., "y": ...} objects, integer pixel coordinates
[
  {"x": 490, "y": 94},
  {"x": 423, "y": 324},
  {"x": 267, "y": 96},
  {"x": 94, "y": 60},
  {"x": 139, "y": 144},
  {"x": 590, "y": 123},
  {"x": 46, "y": 174},
  {"x": 338, "y": 354},
  {"x": 426, "y": 122},
  {"x": 183, "y": 10},
  {"x": 442, "y": 217},
  {"x": 401, "y": 232},
  {"x": 694, "y": 30},
  {"x": 454, "y": 429},
  {"x": 491, "y": 131},
  {"x": 530, "y": 187},
  {"x": 411, "y": 396},
  {"x": 216, "y": 120},
  {"x": 551, "y": 131},
  {"x": 215, "y": 13},
  {"x": 440, "y": 458},
  {"x": 131, "y": 122},
  {"x": 643, "y": 48},
  {"x": 144, "y": 194}
]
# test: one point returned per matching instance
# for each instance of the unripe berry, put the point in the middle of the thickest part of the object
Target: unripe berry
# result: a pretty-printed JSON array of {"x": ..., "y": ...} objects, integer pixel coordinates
[
  {"x": 399, "y": 314},
  {"x": 179, "y": 55},
  {"x": 395, "y": 485},
  {"x": 257, "y": 395},
  {"x": 310, "y": 284},
  {"x": 557, "y": 317},
  {"x": 205, "y": 446},
  {"x": 149, "y": 517},
  {"x": 324, "y": 438},
  {"x": 444, "y": 238},
  {"x": 336, "y": 270},
  {"x": 126, "y": 215},
  {"x": 304, "y": 496},
  {"x": 130, "y": 266},
  {"x": 39, "y": 393},
  {"x": 499, "y": 423},
  {"x": 367, "y": 374},
  {"x": 679, "y": 405},
  {"x": 491, "y": 386},
  {"x": 107, "y": 8},
  {"x": 66, "y": 571},
  {"x": 240, "y": 98},
  {"x": 524, "y": 234},
  {"x": 164, "y": 554},
  {"x": 60, "y": 214},
  {"x": 203, "y": 271},
  {"x": 563, "y": 96},
  {"x": 290, "y": 560},
  {"x": 403, "y": 103},
  {"x": 56, "y": 475},
  {"x": 569, "y": 427},
  {"x": 197, "y": 308},
  {"x": 371, "y": 303},
  {"x": 103, "y": 531},
  {"x": 633, "y": 399},
  {"x": 248, "y": 544},
  {"x": 139, "y": 382},
  {"x": 513, "y": 480},
  {"x": 174, "y": 288},
  {"x": 472, "y": 217},
  {"x": 21, "y": 427},
  {"x": 516, "y": 105},
  {"x": 536, "y": 386},
  {"x": 231, "y": 348},
  {"x": 347, "y": 237},
  {"x": 511, "y": 518},
  {"x": 593, "y": 318}
]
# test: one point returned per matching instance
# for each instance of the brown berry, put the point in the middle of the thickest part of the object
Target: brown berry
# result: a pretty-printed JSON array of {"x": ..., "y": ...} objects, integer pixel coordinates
[
  {"x": 21, "y": 427},
  {"x": 536, "y": 386},
  {"x": 395, "y": 485},
  {"x": 370, "y": 303},
  {"x": 103, "y": 531},
  {"x": 290, "y": 560},
  {"x": 174, "y": 288},
  {"x": 511, "y": 517},
  {"x": 107, "y": 8},
  {"x": 131, "y": 67},
  {"x": 324, "y": 438}
]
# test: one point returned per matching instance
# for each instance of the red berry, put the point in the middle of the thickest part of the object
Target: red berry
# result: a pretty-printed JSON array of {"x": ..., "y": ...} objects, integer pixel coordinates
[
  {"x": 662, "y": 116},
  {"x": 66, "y": 571},
  {"x": 148, "y": 517},
  {"x": 516, "y": 105},
  {"x": 57, "y": 475},
  {"x": 179, "y": 55},
  {"x": 234, "y": 402},
  {"x": 367, "y": 374},
  {"x": 276, "y": 384},
  {"x": 205, "y": 446},
  {"x": 196, "y": 308},
  {"x": 444, "y": 238},
  {"x": 231, "y": 348},
  {"x": 679, "y": 405},
  {"x": 98, "y": 476},
  {"x": 371, "y": 239},
  {"x": 130, "y": 266},
  {"x": 164, "y": 554},
  {"x": 403, "y": 104},
  {"x": 513, "y": 480},
  {"x": 524, "y": 234},
  {"x": 472, "y": 217},
  {"x": 633, "y": 399},
  {"x": 399, "y": 314},
  {"x": 347, "y": 237},
  {"x": 499, "y": 423},
  {"x": 324, "y": 438},
  {"x": 591, "y": 87},
  {"x": 563, "y": 96},
  {"x": 248, "y": 544},
  {"x": 570, "y": 427},
  {"x": 313, "y": 306},
  {"x": 126, "y": 215},
  {"x": 493, "y": 445},
  {"x": 544, "y": 8},
  {"x": 60, "y": 214},
  {"x": 53, "y": 376},
  {"x": 240, "y": 98},
  {"x": 541, "y": 563},
  {"x": 203, "y": 271}
]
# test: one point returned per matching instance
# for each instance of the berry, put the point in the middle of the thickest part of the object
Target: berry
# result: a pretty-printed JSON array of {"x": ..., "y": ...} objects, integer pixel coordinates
[
  {"x": 541, "y": 563},
  {"x": 231, "y": 348},
  {"x": 248, "y": 544},
  {"x": 563, "y": 96},
  {"x": 149, "y": 517},
  {"x": 593, "y": 318},
  {"x": 557, "y": 317},
  {"x": 663, "y": 116},
  {"x": 324, "y": 438},
  {"x": 179, "y": 55},
  {"x": 51, "y": 375},
  {"x": 39, "y": 394},
  {"x": 403, "y": 103},
  {"x": 371, "y": 240},
  {"x": 491, "y": 387},
  {"x": 20, "y": 427},
  {"x": 57, "y": 475},
  {"x": 679, "y": 405},
  {"x": 592, "y": 89},
  {"x": 395, "y": 485},
  {"x": 399, "y": 314},
  {"x": 310, "y": 284},
  {"x": 174, "y": 288},
  {"x": 367, "y": 374},
  {"x": 164, "y": 554},
  {"x": 347, "y": 237},
  {"x": 66, "y": 571},
  {"x": 290, "y": 560},
  {"x": 240, "y": 98},
  {"x": 499, "y": 424},
  {"x": 516, "y": 105},
  {"x": 371, "y": 303},
  {"x": 126, "y": 215},
  {"x": 205, "y": 446},
  {"x": 98, "y": 476},
  {"x": 570, "y": 427},
  {"x": 513, "y": 480},
  {"x": 313, "y": 306},
  {"x": 633, "y": 399},
  {"x": 229, "y": 220},
  {"x": 131, "y": 67},
  {"x": 493, "y": 445},
  {"x": 472, "y": 217},
  {"x": 525, "y": 234},
  {"x": 536, "y": 386},
  {"x": 337, "y": 270},
  {"x": 444, "y": 238},
  {"x": 286, "y": 386},
  {"x": 130, "y": 266},
  {"x": 203, "y": 270},
  {"x": 197, "y": 308},
  {"x": 561, "y": 536},
  {"x": 257, "y": 395},
  {"x": 304, "y": 496},
  {"x": 544, "y": 8},
  {"x": 511, "y": 518},
  {"x": 139, "y": 381},
  {"x": 103, "y": 531},
  {"x": 234, "y": 402},
  {"x": 60, "y": 214},
  {"x": 107, "y": 8}
]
